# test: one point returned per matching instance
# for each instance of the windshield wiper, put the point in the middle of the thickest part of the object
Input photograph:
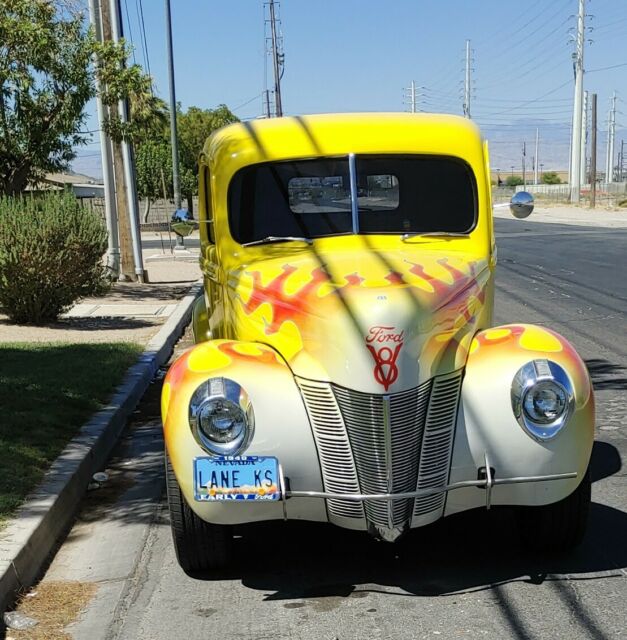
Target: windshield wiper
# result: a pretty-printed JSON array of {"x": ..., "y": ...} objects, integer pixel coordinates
[
  {"x": 445, "y": 234},
  {"x": 269, "y": 239}
]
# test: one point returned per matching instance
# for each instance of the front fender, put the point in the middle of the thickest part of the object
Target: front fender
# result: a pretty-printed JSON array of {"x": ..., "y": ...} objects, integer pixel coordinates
[
  {"x": 486, "y": 422},
  {"x": 282, "y": 427}
]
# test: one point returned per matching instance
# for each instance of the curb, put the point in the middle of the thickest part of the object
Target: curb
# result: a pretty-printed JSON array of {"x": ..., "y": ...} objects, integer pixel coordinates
[{"x": 29, "y": 539}]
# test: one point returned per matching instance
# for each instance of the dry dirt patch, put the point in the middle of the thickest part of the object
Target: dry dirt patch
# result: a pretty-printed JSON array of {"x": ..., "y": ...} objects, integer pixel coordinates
[{"x": 54, "y": 605}]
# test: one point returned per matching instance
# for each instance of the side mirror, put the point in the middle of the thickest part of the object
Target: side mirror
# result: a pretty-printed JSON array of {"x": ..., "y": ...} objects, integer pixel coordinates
[{"x": 521, "y": 204}]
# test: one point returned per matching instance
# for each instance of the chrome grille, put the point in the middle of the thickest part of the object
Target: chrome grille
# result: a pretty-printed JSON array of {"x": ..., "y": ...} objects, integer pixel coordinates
[
  {"x": 437, "y": 442},
  {"x": 336, "y": 458},
  {"x": 373, "y": 443},
  {"x": 386, "y": 457}
]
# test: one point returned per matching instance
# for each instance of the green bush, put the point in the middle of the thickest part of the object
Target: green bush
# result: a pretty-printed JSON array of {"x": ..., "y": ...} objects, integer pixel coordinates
[
  {"x": 51, "y": 251},
  {"x": 513, "y": 181},
  {"x": 550, "y": 177}
]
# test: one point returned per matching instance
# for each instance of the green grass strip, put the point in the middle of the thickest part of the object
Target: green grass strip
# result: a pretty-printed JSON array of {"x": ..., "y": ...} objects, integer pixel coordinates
[{"x": 47, "y": 391}]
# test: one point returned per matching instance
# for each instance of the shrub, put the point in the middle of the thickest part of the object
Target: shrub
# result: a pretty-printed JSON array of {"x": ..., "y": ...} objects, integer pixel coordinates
[
  {"x": 51, "y": 251},
  {"x": 550, "y": 177},
  {"x": 513, "y": 181}
]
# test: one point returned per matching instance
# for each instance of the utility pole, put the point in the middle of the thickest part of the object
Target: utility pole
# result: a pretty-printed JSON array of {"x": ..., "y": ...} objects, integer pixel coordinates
[
  {"x": 593, "y": 153},
  {"x": 575, "y": 163},
  {"x": 466, "y": 105},
  {"x": 535, "y": 158},
  {"x": 277, "y": 60},
  {"x": 111, "y": 213},
  {"x": 127, "y": 155},
  {"x": 611, "y": 133},
  {"x": 413, "y": 97},
  {"x": 524, "y": 153},
  {"x": 584, "y": 138},
  {"x": 127, "y": 258}
]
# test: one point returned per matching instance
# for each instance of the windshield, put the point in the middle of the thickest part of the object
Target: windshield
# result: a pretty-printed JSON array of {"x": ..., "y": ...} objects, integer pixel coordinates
[{"x": 313, "y": 198}]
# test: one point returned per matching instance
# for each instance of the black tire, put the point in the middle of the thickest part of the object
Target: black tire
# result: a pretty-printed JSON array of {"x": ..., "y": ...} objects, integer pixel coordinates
[
  {"x": 559, "y": 526},
  {"x": 200, "y": 546}
]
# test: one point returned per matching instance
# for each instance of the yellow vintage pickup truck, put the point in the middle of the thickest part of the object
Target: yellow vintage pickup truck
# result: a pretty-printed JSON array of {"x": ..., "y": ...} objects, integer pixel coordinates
[{"x": 347, "y": 369}]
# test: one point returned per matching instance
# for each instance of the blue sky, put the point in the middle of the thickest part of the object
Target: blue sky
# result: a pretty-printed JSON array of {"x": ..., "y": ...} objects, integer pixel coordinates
[{"x": 358, "y": 55}]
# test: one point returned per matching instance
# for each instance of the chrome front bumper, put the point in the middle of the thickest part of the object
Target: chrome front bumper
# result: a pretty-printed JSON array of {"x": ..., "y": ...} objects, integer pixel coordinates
[{"x": 487, "y": 483}]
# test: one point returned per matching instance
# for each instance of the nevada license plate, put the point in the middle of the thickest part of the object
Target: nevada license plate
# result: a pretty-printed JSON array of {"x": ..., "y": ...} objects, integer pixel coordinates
[{"x": 236, "y": 478}]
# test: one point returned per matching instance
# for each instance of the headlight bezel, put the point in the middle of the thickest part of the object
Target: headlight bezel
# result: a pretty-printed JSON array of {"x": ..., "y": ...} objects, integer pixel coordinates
[
  {"x": 221, "y": 390},
  {"x": 533, "y": 376}
]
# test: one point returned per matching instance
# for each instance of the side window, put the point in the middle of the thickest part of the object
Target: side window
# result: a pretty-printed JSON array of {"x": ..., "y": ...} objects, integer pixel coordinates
[{"x": 207, "y": 203}]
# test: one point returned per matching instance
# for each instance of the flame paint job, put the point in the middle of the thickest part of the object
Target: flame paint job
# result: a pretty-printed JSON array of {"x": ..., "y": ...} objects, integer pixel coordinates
[{"x": 316, "y": 309}]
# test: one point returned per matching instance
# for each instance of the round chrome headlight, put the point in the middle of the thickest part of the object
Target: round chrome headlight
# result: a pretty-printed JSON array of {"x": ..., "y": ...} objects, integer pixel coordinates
[
  {"x": 542, "y": 398},
  {"x": 221, "y": 417}
]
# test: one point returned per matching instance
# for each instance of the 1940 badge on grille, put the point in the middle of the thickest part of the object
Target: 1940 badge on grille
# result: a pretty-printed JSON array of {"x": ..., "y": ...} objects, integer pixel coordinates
[{"x": 384, "y": 343}]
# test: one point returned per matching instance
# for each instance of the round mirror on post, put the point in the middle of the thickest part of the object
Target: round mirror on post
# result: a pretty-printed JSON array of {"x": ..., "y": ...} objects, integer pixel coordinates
[{"x": 521, "y": 204}]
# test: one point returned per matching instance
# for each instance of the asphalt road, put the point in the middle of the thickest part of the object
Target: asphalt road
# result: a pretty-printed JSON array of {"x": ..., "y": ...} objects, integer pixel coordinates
[{"x": 465, "y": 577}]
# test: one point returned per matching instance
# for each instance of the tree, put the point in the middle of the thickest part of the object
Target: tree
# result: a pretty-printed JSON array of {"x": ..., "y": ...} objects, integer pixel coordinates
[
  {"x": 513, "y": 181},
  {"x": 46, "y": 79},
  {"x": 194, "y": 127},
  {"x": 550, "y": 177},
  {"x": 44, "y": 86},
  {"x": 153, "y": 163}
]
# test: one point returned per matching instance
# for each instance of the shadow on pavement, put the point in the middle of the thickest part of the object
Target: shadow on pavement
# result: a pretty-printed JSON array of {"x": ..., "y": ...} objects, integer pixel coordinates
[
  {"x": 606, "y": 375},
  {"x": 468, "y": 552}
]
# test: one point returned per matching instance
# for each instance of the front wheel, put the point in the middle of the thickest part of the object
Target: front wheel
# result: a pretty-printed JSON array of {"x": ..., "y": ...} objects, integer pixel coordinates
[
  {"x": 559, "y": 526},
  {"x": 199, "y": 545}
]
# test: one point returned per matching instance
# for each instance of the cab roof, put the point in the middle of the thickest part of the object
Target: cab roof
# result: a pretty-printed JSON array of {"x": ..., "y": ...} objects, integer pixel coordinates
[{"x": 308, "y": 136}]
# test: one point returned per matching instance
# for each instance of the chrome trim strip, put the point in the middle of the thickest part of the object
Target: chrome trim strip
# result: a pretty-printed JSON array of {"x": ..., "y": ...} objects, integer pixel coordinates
[
  {"x": 359, "y": 497},
  {"x": 352, "y": 168},
  {"x": 389, "y": 471}
]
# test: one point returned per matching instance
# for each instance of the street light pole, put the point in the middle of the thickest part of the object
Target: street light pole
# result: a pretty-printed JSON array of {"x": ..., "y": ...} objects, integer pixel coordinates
[{"x": 176, "y": 183}]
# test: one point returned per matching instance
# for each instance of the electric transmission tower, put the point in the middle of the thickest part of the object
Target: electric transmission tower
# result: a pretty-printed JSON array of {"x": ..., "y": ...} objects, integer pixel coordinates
[
  {"x": 611, "y": 134},
  {"x": 274, "y": 50},
  {"x": 467, "y": 81},
  {"x": 575, "y": 145},
  {"x": 411, "y": 97}
]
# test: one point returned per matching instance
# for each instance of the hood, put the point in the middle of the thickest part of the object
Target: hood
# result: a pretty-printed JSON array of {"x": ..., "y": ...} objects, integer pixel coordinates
[{"x": 372, "y": 321}]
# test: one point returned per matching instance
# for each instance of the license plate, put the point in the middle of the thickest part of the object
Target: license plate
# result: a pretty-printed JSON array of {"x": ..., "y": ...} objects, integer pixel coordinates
[{"x": 236, "y": 478}]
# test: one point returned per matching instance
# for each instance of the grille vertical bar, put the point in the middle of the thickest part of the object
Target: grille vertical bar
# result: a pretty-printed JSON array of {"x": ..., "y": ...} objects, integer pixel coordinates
[{"x": 435, "y": 458}]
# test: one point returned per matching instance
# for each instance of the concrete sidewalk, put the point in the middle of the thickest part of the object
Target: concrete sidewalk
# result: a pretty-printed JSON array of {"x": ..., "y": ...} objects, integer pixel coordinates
[
  {"x": 565, "y": 214},
  {"x": 129, "y": 312}
]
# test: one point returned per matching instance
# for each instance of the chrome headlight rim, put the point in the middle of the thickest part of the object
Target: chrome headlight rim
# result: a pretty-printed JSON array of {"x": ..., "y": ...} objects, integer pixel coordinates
[
  {"x": 221, "y": 390},
  {"x": 542, "y": 373}
]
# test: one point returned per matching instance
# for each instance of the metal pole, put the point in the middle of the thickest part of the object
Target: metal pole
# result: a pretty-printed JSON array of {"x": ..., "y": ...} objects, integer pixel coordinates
[
  {"x": 575, "y": 164},
  {"x": 593, "y": 153},
  {"x": 275, "y": 56},
  {"x": 467, "y": 82},
  {"x": 584, "y": 130},
  {"x": 524, "y": 175},
  {"x": 129, "y": 175},
  {"x": 111, "y": 214},
  {"x": 535, "y": 158},
  {"x": 173, "y": 132},
  {"x": 610, "y": 141}
]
